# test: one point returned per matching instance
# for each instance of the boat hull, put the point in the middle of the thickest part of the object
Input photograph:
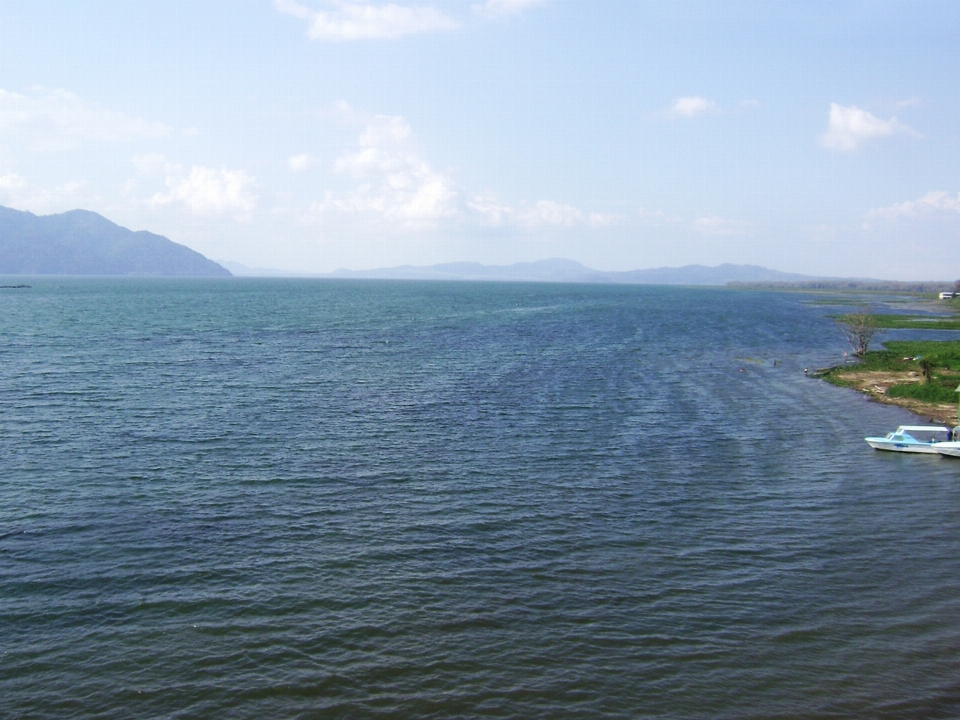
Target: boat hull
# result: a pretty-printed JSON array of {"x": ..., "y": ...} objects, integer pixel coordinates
[
  {"x": 910, "y": 447},
  {"x": 949, "y": 449}
]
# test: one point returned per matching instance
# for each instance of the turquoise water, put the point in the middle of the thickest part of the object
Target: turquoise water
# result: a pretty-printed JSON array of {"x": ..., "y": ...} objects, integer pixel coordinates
[{"x": 266, "y": 498}]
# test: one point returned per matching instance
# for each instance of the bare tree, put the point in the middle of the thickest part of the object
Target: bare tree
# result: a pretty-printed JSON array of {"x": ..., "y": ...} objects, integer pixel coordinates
[{"x": 859, "y": 328}]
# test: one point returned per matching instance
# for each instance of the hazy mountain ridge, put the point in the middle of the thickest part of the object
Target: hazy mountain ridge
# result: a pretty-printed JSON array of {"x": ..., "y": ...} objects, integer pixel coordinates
[
  {"x": 241, "y": 270},
  {"x": 80, "y": 242},
  {"x": 561, "y": 270}
]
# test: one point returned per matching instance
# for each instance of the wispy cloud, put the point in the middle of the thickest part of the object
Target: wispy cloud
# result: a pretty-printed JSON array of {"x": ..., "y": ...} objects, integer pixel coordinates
[
  {"x": 658, "y": 218},
  {"x": 490, "y": 210},
  {"x": 596, "y": 219},
  {"x": 545, "y": 213},
  {"x": 850, "y": 126},
  {"x": 393, "y": 184},
  {"x": 50, "y": 120},
  {"x": 688, "y": 107},
  {"x": 936, "y": 203},
  {"x": 346, "y": 21},
  {"x": 716, "y": 225},
  {"x": 502, "y": 8},
  {"x": 549, "y": 212},
  {"x": 302, "y": 162},
  {"x": 18, "y": 192}
]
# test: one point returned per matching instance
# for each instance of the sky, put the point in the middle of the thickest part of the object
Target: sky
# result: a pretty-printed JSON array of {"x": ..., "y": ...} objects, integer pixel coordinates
[{"x": 312, "y": 135}]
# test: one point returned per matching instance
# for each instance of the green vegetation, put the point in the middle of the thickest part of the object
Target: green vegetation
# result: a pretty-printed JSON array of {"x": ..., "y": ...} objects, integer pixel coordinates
[
  {"x": 898, "y": 356},
  {"x": 921, "y": 375},
  {"x": 918, "y": 322},
  {"x": 936, "y": 362},
  {"x": 936, "y": 393},
  {"x": 855, "y": 299}
]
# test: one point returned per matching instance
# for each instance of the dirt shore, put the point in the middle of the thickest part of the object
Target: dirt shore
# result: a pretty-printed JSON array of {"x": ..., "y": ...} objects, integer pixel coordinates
[{"x": 875, "y": 383}]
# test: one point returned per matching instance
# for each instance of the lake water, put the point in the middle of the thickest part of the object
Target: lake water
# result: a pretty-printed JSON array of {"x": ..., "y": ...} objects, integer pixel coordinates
[{"x": 275, "y": 498}]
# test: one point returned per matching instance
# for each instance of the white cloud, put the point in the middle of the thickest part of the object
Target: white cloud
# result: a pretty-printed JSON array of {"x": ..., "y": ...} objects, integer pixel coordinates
[
  {"x": 850, "y": 126},
  {"x": 687, "y": 107},
  {"x": 716, "y": 225},
  {"x": 490, "y": 210},
  {"x": 17, "y": 192},
  {"x": 301, "y": 163},
  {"x": 501, "y": 8},
  {"x": 358, "y": 21},
  {"x": 393, "y": 180},
  {"x": 12, "y": 183},
  {"x": 933, "y": 203},
  {"x": 658, "y": 218},
  {"x": 208, "y": 191},
  {"x": 596, "y": 219},
  {"x": 50, "y": 120},
  {"x": 548, "y": 212},
  {"x": 545, "y": 212}
]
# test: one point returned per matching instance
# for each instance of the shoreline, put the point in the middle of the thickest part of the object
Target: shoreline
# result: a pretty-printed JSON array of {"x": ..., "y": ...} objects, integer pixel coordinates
[
  {"x": 875, "y": 383},
  {"x": 920, "y": 376}
]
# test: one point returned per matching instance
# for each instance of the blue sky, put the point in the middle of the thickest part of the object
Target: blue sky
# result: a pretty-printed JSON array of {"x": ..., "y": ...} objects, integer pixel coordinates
[{"x": 316, "y": 134}]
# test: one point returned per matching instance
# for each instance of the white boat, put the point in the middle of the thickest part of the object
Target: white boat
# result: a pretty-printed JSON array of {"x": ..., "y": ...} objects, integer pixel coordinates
[
  {"x": 951, "y": 449},
  {"x": 903, "y": 440}
]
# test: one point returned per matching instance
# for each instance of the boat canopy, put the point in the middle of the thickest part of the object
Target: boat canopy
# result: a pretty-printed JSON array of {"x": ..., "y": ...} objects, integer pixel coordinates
[{"x": 922, "y": 428}]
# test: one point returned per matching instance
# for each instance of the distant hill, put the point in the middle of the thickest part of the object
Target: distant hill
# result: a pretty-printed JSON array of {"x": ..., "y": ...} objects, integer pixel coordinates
[
  {"x": 240, "y": 270},
  {"x": 84, "y": 243},
  {"x": 560, "y": 270}
]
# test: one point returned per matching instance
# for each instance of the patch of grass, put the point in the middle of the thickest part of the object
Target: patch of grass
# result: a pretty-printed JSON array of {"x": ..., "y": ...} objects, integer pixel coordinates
[
  {"x": 917, "y": 322},
  {"x": 832, "y": 300},
  {"x": 834, "y": 378},
  {"x": 934, "y": 392},
  {"x": 943, "y": 354},
  {"x": 897, "y": 356},
  {"x": 912, "y": 322}
]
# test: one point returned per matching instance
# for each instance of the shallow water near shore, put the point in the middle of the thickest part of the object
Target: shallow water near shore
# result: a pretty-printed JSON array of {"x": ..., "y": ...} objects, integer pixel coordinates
[{"x": 291, "y": 498}]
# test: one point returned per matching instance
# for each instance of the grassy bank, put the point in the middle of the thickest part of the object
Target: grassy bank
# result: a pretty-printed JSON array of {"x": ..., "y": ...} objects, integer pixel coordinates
[
  {"x": 917, "y": 322},
  {"x": 920, "y": 375}
]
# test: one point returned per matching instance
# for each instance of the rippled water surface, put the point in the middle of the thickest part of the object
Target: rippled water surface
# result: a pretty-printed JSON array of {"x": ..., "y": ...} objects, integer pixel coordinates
[{"x": 265, "y": 498}]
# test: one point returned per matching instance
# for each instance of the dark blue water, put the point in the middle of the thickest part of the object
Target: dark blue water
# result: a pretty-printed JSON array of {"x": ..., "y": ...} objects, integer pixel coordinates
[{"x": 258, "y": 499}]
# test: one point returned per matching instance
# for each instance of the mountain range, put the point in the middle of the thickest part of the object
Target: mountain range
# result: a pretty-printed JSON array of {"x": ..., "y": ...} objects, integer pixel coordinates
[
  {"x": 80, "y": 242},
  {"x": 552, "y": 270}
]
